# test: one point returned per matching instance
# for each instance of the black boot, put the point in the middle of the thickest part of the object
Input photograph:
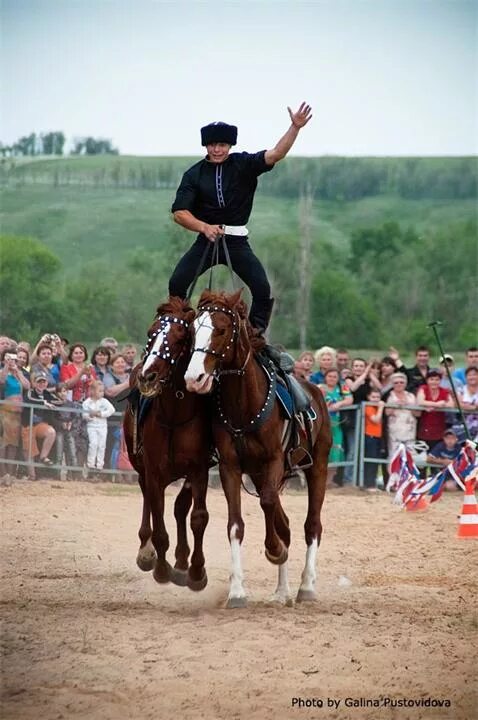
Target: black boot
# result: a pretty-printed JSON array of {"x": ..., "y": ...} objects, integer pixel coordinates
[{"x": 259, "y": 317}]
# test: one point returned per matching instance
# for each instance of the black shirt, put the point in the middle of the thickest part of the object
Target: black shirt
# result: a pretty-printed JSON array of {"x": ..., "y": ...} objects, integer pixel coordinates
[
  {"x": 221, "y": 194},
  {"x": 415, "y": 378}
]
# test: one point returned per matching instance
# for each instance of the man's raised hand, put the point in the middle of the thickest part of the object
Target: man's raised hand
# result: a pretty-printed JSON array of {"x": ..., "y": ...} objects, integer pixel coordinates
[{"x": 302, "y": 116}]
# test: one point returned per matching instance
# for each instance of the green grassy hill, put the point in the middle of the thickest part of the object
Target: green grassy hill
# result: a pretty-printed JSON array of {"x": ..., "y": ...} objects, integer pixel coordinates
[
  {"x": 107, "y": 219},
  {"x": 80, "y": 224}
]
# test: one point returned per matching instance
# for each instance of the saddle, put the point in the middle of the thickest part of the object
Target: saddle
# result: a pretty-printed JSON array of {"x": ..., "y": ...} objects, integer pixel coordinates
[{"x": 296, "y": 406}]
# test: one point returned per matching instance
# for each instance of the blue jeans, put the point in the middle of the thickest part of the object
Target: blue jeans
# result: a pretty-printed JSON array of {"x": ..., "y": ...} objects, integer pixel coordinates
[{"x": 372, "y": 448}]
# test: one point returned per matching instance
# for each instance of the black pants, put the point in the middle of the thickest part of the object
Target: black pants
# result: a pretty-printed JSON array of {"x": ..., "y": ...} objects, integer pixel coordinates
[{"x": 244, "y": 263}]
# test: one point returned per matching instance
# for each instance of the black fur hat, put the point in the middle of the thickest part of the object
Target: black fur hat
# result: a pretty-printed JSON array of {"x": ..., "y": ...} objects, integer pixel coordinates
[{"x": 218, "y": 132}]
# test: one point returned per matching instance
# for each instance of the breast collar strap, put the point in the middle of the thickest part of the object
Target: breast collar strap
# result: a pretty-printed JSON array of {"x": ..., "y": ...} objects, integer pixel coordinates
[{"x": 260, "y": 418}]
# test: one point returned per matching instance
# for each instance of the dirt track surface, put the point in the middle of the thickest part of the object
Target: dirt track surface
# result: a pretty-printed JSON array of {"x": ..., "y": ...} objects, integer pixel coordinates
[{"x": 87, "y": 635}]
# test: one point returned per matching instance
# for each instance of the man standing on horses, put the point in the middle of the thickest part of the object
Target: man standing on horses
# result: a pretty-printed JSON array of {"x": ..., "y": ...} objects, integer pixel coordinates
[{"x": 215, "y": 199}]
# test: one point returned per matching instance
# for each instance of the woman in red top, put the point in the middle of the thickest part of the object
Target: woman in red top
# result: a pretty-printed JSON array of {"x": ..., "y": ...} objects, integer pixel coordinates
[
  {"x": 77, "y": 375},
  {"x": 432, "y": 424}
]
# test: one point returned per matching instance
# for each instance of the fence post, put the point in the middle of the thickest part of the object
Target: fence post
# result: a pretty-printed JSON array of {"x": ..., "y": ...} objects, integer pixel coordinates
[{"x": 361, "y": 445}]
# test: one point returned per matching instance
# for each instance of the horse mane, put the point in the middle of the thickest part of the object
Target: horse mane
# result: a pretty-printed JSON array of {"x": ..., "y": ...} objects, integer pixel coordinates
[
  {"x": 235, "y": 302},
  {"x": 175, "y": 306}
]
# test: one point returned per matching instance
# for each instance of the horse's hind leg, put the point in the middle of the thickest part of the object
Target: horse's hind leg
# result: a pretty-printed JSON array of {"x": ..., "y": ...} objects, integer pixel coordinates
[
  {"x": 316, "y": 477},
  {"x": 146, "y": 554},
  {"x": 179, "y": 574},
  {"x": 197, "y": 577}
]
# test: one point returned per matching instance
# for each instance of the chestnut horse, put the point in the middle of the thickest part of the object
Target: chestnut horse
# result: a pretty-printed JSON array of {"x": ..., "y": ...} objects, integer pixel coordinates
[
  {"x": 172, "y": 442},
  {"x": 248, "y": 429}
]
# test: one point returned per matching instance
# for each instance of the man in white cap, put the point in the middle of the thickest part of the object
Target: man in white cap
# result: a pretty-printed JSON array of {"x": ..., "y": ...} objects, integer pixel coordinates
[{"x": 215, "y": 199}]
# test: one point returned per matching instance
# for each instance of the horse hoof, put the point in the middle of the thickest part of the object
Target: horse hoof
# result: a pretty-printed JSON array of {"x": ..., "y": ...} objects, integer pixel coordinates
[
  {"x": 145, "y": 564},
  {"x": 197, "y": 585},
  {"x": 161, "y": 573},
  {"x": 146, "y": 557},
  {"x": 306, "y": 596},
  {"x": 178, "y": 577},
  {"x": 278, "y": 559},
  {"x": 236, "y": 602},
  {"x": 285, "y": 600}
]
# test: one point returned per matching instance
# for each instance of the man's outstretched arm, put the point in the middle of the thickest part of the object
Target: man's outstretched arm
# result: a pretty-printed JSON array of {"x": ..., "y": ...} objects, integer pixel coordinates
[{"x": 298, "y": 119}]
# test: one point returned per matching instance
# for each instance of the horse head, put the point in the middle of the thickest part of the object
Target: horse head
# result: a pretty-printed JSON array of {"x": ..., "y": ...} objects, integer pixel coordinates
[
  {"x": 216, "y": 334},
  {"x": 168, "y": 341}
]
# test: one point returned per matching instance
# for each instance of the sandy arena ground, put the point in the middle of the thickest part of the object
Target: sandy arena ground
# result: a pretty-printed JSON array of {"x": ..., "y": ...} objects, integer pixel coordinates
[{"x": 87, "y": 635}]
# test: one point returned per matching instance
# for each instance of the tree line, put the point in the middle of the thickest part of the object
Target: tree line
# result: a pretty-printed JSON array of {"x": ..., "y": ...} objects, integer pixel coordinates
[
  {"x": 53, "y": 143},
  {"x": 337, "y": 179}
]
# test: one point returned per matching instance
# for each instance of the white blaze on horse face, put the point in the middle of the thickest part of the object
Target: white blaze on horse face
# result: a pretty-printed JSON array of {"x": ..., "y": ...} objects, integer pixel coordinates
[
  {"x": 151, "y": 357},
  {"x": 202, "y": 337}
]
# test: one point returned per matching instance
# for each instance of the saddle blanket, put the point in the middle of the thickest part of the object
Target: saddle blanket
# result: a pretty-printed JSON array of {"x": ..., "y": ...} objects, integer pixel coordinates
[{"x": 285, "y": 402}]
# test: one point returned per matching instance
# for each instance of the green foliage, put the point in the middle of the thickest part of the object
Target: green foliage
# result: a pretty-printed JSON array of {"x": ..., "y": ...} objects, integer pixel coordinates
[
  {"x": 340, "y": 312},
  {"x": 29, "y": 287}
]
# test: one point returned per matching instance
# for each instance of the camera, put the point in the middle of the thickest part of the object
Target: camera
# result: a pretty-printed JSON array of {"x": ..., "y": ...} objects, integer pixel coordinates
[{"x": 10, "y": 356}]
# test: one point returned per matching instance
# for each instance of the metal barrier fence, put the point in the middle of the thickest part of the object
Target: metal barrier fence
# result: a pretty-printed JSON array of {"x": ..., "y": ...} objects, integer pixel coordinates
[
  {"x": 24, "y": 458},
  {"x": 354, "y": 461}
]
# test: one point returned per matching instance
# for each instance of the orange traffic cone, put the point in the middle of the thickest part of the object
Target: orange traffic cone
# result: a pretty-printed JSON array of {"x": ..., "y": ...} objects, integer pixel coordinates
[
  {"x": 417, "y": 504},
  {"x": 468, "y": 522}
]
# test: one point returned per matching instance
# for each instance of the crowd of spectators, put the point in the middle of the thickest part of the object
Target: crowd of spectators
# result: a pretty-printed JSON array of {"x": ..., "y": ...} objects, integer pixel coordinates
[
  {"x": 412, "y": 405},
  {"x": 57, "y": 407},
  {"x": 60, "y": 409}
]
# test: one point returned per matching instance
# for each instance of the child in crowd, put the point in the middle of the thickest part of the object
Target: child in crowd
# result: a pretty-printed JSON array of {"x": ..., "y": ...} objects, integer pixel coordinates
[
  {"x": 65, "y": 440},
  {"x": 303, "y": 366},
  {"x": 444, "y": 452},
  {"x": 373, "y": 437},
  {"x": 40, "y": 418},
  {"x": 96, "y": 409}
]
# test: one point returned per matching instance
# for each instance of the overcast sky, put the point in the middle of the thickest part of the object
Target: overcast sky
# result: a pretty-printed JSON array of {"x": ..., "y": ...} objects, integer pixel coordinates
[{"x": 384, "y": 77}]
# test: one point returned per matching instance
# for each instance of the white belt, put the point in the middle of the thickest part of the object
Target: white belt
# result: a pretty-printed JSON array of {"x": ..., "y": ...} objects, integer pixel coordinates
[{"x": 239, "y": 230}]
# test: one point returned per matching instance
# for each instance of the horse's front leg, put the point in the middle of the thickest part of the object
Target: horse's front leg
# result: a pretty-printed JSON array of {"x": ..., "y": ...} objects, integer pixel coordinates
[
  {"x": 316, "y": 477},
  {"x": 282, "y": 592},
  {"x": 276, "y": 548},
  {"x": 146, "y": 554},
  {"x": 179, "y": 574},
  {"x": 197, "y": 577},
  {"x": 231, "y": 483},
  {"x": 162, "y": 569}
]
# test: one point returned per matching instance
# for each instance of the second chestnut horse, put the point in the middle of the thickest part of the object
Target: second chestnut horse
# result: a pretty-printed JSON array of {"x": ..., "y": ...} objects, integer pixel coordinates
[{"x": 172, "y": 442}]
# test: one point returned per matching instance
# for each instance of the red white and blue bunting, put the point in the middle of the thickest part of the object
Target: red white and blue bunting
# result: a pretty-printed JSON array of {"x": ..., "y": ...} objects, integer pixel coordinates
[{"x": 405, "y": 477}]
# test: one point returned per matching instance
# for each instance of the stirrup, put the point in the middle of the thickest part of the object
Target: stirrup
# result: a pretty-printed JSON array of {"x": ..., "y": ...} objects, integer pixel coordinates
[{"x": 304, "y": 463}]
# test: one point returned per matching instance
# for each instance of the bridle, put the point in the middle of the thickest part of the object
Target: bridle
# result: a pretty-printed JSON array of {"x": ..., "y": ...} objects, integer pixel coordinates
[
  {"x": 218, "y": 372},
  {"x": 259, "y": 419},
  {"x": 164, "y": 352}
]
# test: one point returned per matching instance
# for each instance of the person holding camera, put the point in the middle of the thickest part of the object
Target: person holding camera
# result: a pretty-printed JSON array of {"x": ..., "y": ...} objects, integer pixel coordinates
[
  {"x": 54, "y": 342},
  {"x": 13, "y": 383}
]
